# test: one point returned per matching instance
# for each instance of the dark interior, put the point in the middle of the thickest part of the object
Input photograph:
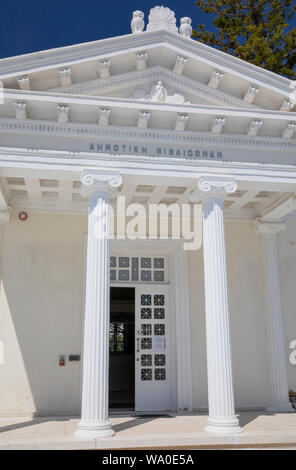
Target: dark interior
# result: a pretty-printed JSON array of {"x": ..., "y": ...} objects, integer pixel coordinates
[{"x": 122, "y": 347}]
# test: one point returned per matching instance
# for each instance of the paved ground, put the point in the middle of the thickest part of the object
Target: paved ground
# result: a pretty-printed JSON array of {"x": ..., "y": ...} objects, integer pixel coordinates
[{"x": 179, "y": 431}]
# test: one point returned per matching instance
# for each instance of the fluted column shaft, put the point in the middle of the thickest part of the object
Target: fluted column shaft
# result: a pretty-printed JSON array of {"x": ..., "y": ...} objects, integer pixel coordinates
[
  {"x": 221, "y": 417},
  {"x": 279, "y": 398},
  {"x": 94, "y": 415}
]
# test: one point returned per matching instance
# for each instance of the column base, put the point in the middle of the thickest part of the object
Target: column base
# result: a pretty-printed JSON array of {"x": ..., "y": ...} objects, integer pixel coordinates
[
  {"x": 89, "y": 430},
  {"x": 223, "y": 426},
  {"x": 281, "y": 407}
]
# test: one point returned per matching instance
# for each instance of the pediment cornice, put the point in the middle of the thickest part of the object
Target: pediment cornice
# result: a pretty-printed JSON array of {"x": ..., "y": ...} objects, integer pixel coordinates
[{"x": 66, "y": 56}]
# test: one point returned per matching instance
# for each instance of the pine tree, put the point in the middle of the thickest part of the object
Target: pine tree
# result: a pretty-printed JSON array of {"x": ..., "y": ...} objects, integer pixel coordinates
[{"x": 257, "y": 31}]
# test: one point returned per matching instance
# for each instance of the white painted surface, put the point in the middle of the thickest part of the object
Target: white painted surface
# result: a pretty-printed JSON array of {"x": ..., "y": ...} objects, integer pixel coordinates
[
  {"x": 153, "y": 394},
  {"x": 95, "y": 377},
  {"x": 279, "y": 398},
  {"x": 221, "y": 417},
  {"x": 41, "y": 305}
]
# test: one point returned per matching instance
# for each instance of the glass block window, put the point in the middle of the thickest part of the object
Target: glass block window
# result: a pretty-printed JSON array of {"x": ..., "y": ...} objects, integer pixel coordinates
[
  {"x": 145, "y": 275},
  {"x": 146, "y": 374},
  {"x": 146, "y": 299},
  {"x": 146, "y": 313},
  {"x": 123, "y": 262},
  {"x": 159, "y": 359},
  {"x": 159, "y": 299},
  {"x": 139, "y": 269},
  {"x": 146, "y": 343},
  {"x": 146, "y": 330},
  {"x": 113, "y": 262},
  {"x": 152, "y": 362},
  {"x": 123, "y": 275},
  {"x": 160, "y": 374},
  {"x": 159, "y": 313},
  {"x": 146, "y": 360},
  {"x": 159, "y": 329}
]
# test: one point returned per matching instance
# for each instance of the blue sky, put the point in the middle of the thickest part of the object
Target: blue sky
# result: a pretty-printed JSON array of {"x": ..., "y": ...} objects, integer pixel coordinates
[{"x": 34, "y": 25}]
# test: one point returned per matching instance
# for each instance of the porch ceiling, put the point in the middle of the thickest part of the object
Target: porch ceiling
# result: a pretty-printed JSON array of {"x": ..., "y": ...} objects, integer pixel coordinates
[{"x": 59, "y": 192}]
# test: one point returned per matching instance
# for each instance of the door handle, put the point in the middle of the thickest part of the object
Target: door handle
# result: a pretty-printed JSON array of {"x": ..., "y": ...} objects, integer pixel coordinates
[{"x": 138, "y": 345}]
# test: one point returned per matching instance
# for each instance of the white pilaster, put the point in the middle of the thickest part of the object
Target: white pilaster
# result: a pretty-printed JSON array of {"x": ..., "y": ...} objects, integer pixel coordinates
[
  {"x": 100, "y": 187},
  {"x": 221, "y": 417},
  {"x": 274, "y": 323},
  {"x": 4, "y": 217}
]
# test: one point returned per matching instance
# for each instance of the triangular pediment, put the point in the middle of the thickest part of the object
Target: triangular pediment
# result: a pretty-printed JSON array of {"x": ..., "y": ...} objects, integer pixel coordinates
[
  {"x": 141, "y": 85},
  {"x": 111, "y": 67}
]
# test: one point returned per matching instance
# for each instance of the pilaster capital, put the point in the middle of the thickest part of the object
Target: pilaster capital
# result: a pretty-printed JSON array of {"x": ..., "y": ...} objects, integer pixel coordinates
[
  {"x": 96, "y": 182},
  {"x": 213, "y": 186},
  {"x": 4, "y": 216},
  {"x": 272, "y": 227}
]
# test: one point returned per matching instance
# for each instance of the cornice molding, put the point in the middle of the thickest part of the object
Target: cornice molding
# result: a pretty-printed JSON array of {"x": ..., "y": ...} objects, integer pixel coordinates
[
  {"x": 148, "y": 135},
  {"x": 133, "y": 103},
  {"x": 153, "y": 74},
  {"x": 66, "y": 56}
]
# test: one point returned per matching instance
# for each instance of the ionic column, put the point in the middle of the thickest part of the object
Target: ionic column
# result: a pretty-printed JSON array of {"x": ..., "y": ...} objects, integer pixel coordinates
[
  {"x": 100, "y": 187},
  {"x": 221, "y": 417},
  {"x": 274, "y": 322}
]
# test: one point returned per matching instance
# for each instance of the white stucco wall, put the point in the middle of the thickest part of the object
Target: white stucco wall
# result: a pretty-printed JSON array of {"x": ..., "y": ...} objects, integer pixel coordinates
[
  {"x": 41, "y": 303},
  {"x": 247, "y": 316},
  {"x": 41, "y": 308},
  {"x": 286, "y": 244}
]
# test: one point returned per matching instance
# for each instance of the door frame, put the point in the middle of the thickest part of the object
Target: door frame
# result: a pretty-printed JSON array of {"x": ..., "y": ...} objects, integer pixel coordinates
[{"x": 179, "y": 331}]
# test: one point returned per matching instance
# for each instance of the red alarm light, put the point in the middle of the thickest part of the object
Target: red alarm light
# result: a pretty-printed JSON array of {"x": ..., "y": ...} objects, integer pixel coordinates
[{"x": 23, "y": 216}]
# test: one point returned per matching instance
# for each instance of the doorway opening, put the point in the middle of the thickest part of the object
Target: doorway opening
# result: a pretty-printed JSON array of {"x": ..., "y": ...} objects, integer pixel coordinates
[{"x": 122, "y": 347}]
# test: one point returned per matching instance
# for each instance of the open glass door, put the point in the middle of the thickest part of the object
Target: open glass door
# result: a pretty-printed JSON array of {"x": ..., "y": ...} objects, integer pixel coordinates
[{"x": 152, "y": 366}]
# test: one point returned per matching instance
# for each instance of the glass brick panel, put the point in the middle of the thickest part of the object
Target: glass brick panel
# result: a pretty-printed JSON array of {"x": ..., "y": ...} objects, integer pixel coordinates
[
  {"x": 158, "y": 276},
  {"x": 146, "y": 330},
  {"x": 145, "y": 275},
  {"x": 146, "y": 374},
  {"x": 158, "y": 263},
  {"x": 159, "y": 329},
  {"x": 159, "y": 299},
  {"x": 159, "y": 313},
  {"x": 146, "y": 313},
  {"x": 160, "y": 374},
  {"x": 123, "y": 275},
  {"x": 145, "y": 262},
  {"x": 113, "y": 262},
  {"x": 112, "y": 274},
  {"x": 146, "y": 360},
  {"x": 146, "y": 343},
  {"x": 123, "y": 261},
  {"x": 145, "y": 299},
  {"x": 159, "y": 359}
]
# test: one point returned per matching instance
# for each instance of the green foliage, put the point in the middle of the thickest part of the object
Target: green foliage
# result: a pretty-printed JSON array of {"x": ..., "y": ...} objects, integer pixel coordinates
[{"x": 257, "y": 31}]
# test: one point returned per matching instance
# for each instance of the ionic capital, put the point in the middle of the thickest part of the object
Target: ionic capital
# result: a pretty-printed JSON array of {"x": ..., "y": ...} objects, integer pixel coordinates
[
  {"x": 214, "y": 186},
  {"x": 273, "y": 227},
  {"x": 100, "y": 182}
]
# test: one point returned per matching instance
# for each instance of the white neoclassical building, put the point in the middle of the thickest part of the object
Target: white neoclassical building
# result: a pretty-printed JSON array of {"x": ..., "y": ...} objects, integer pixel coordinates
[{"x": 90, "y": 323}]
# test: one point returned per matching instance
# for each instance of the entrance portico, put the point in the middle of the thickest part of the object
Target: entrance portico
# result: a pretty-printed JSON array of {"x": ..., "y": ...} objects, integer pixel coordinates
[{"x": 152, "y": 118}]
